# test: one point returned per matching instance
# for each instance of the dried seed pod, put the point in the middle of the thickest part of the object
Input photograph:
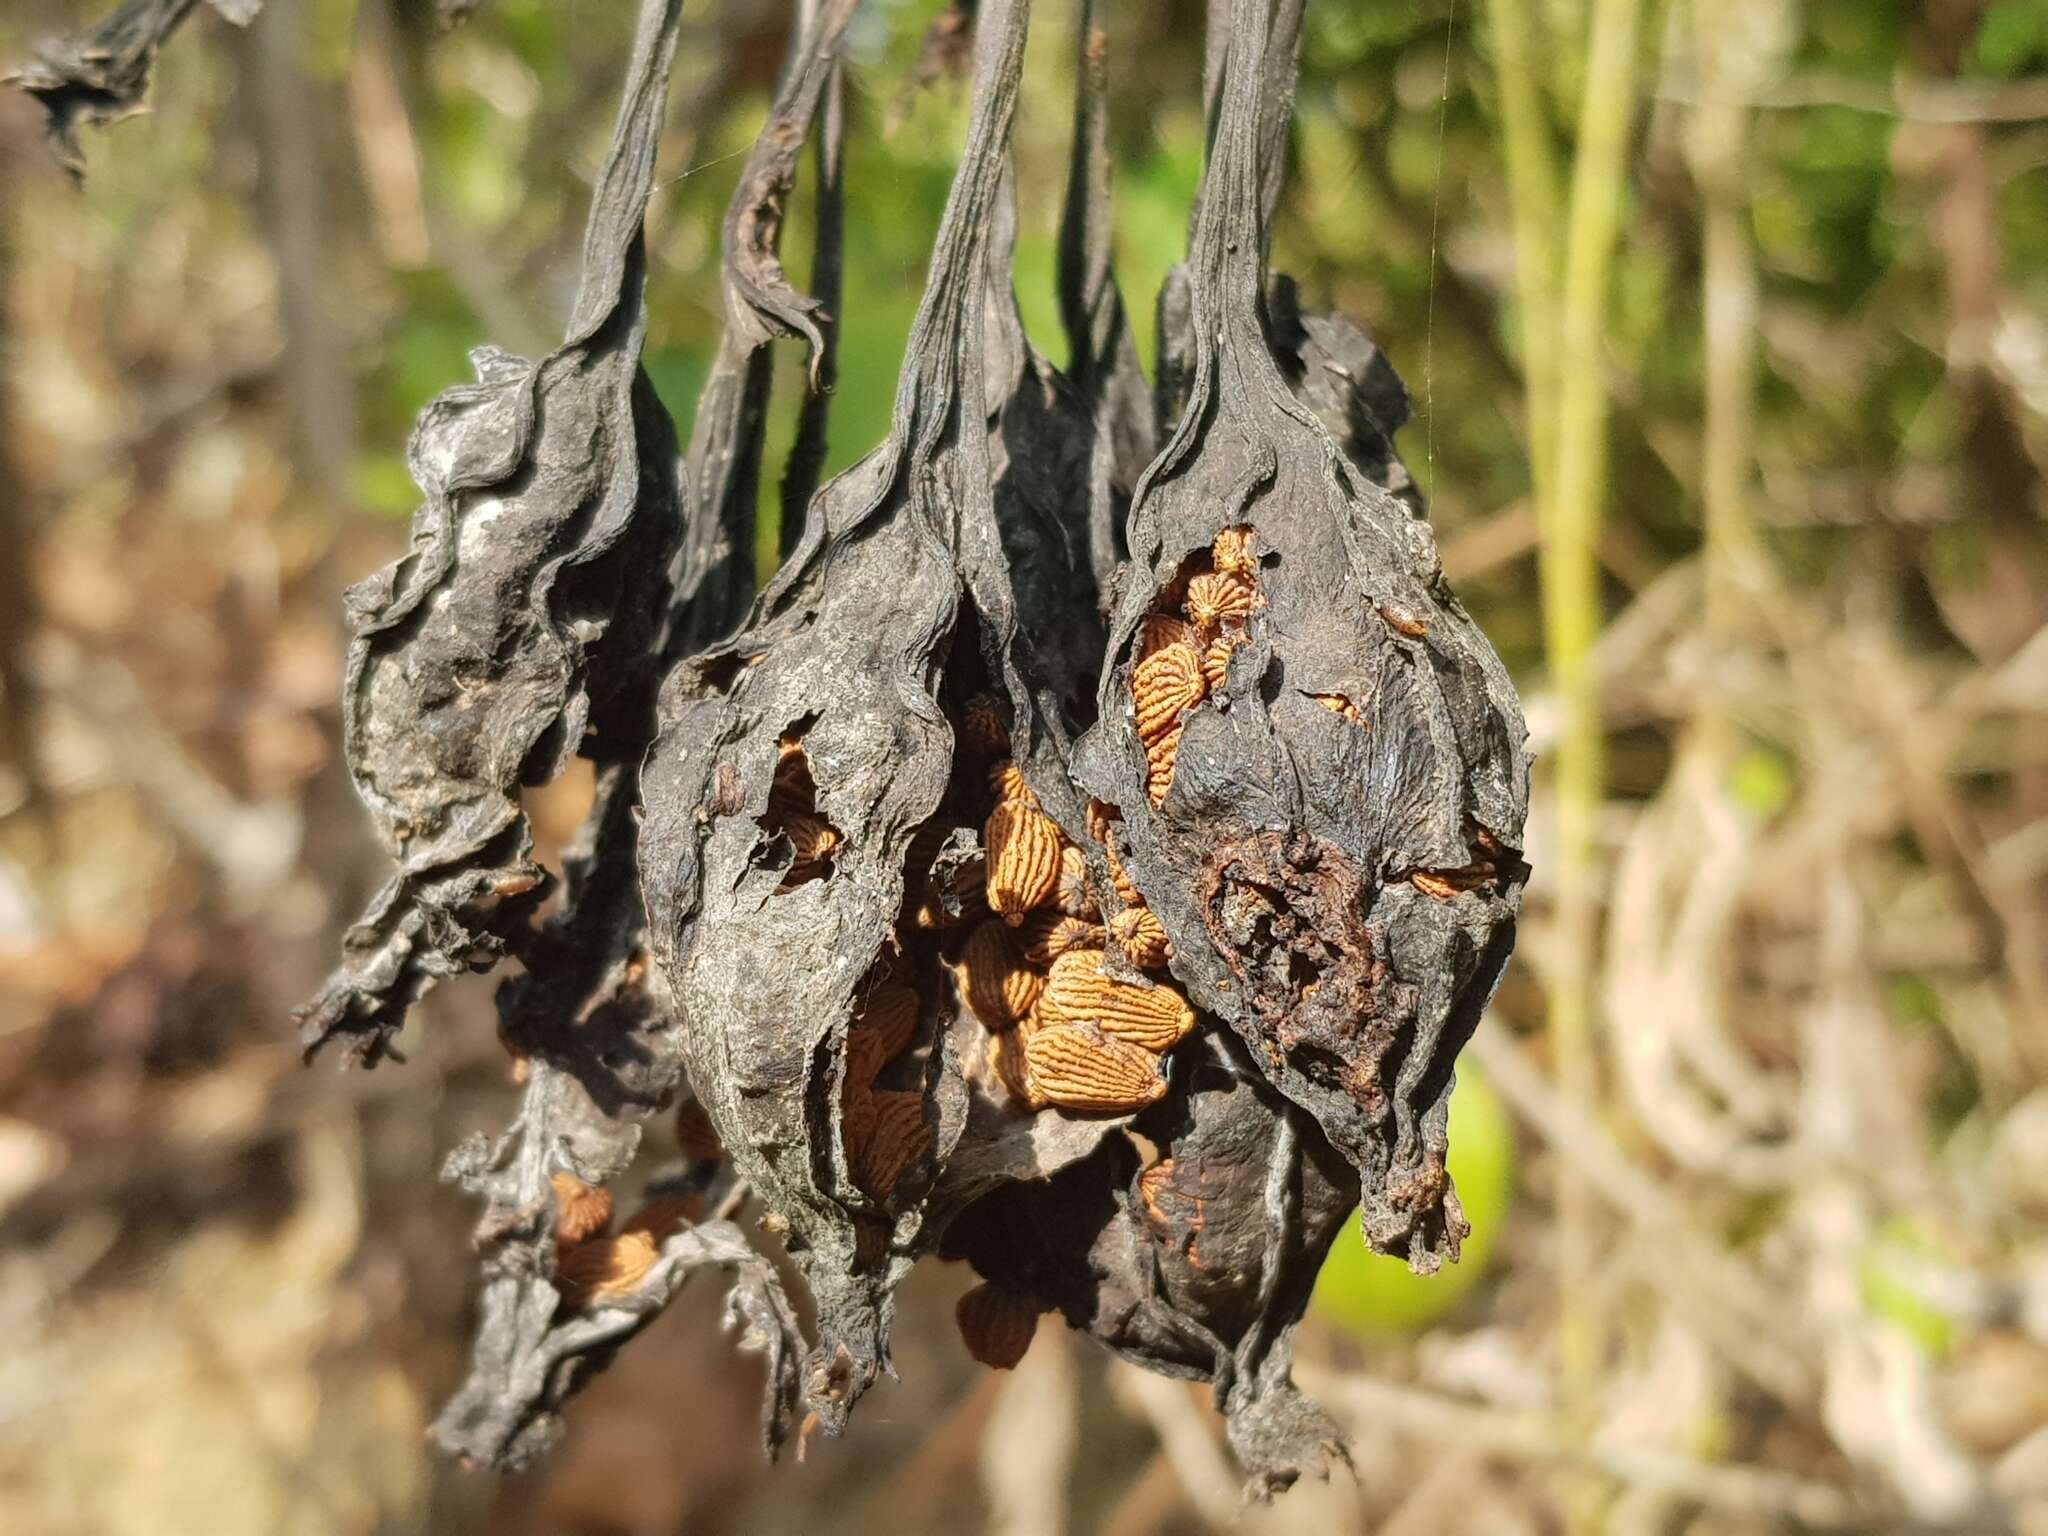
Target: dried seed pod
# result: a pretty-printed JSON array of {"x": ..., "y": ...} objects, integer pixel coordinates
[
  {"x": 696, "y": 1136},
  {"x": 997, "y": 1322},
  {"x": 1006, "y": 779},
  {"x": 1140, "y": 935},
  {"x": 900, "y": 1137},
  {"x": 1074, "y": 896},
  {"x": 1004, "y": 1055},
  {"x": 1166, "y": 682},
  {"x": 1232, "y": 554},
  {"x": 1351, "y": 991},
  {"x": 1160, "y": 756},
  {"x": 999, "y": 986},
  {"x": 890, "y": 1014},
  {"x": 1078, "y": 1067},
  {"x": 604, "y": 1268},
  {"x": 581, "y": 1210},
  {"x": 1216, "y": 660},
  {"x": 1215, "y": 599},
  {"x": 982, "y": 729},
  {"x": 1156, "y": 1017},
  {"x": 1023, "y": 860},
  {"x": 1161, "y": 630},
  {"x": 1047, "y": 934}
]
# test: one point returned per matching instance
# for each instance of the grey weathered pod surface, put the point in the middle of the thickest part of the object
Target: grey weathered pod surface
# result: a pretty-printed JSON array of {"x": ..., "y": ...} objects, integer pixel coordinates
[
  {"x": 1189, "y": 1247},
  {"x": 520, "y": 627},
  {"x": 803, "y": 768},
  {"x": 1329, "y": 835},
  {"x": 600, "y": 1047}
]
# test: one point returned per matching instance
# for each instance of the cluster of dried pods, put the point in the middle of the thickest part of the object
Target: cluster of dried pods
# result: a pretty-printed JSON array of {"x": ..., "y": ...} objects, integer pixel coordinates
[{"x": 1083, "y": 861}]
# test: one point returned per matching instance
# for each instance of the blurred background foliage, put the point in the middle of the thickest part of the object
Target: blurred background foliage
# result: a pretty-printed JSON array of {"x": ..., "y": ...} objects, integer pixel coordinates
[{"x": 1771, "y": 1255}]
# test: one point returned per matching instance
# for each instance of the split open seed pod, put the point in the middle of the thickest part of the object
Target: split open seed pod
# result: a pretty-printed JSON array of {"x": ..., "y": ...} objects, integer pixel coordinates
[
  {"x": 1329, "y": 836},
  {"x": 889, "y": 655}
]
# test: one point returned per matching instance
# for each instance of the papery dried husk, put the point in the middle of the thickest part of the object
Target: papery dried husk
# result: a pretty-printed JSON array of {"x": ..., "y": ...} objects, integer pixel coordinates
[{"x": 1266, "y": 841}]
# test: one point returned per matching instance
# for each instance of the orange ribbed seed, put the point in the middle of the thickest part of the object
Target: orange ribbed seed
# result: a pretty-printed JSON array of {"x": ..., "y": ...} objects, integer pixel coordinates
[
  {"x": 1007, "y": 780},
  {"x": 982, "y": 728},
  {"x": 605, "y": 1268},
  {"x": 1216, "y": 660},
  {"x": 866, "y": 1054},
  {"x": 581, "y": 1210},
  {"x": 1215, "y": 599},
  {"x": 1006, "y": 1064},
  {"x": 1233, "y": 555},
  {"x": 900, "y": 1138},
  {"x": 1000, "y": 987},
  {"x": 1023, "y": 860},
  {"x": 1156, "y": 631},
  {"x": 665, "y": 1215},
  {"x": 1101, "y": 817},
  {"x": 890, "y": 1013},
  {"x": 1126, "y": 889},
  {"x": 1047, "y": 934},
  {"x": 696, "y": 1136},
  {"x": 1076, "y": 1066},
  {"x": 1074, "y": 896},
  {"x": 1159, "y": 760},
  {"x": 814, "y": 838},
  {"x": 1156, "y": 1017},
  {"x": 998, "y": 1323},
  {"x": 1165, "y": 683},
  {"x": 1340, "y": 704},
  {"x": 856, "y": 1118},
  {"x": 1140, "y": 935}
]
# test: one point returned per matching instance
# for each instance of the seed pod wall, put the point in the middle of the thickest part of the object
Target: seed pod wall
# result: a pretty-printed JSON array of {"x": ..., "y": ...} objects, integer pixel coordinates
[{"x": 1083, "y": 859}]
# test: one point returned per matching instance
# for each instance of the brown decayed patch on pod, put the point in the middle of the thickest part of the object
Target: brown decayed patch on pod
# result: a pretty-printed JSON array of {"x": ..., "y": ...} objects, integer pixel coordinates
[
  {"x": 1140, "y": 935},
  {"x": 581, "y": 1210},
  {"x": 1078, "y": 1067},
  {"x": 1074, "y": 896},
  {"x": 1159, "y": 760},
  {"x": 899, "y": 1138},
  {"x": 1006, "y": 780},
  {"x": 1000, "y": 987},
  {"x": 1160, "y": 630},
  {"x": 1341, "y": 704},
  {"x": 981, "y": 727},
  {"x": 696, "y": 1137},
  {"x": 1232, "y": 553},
  {"x": 604, "y": 1268},
  {"x": 1156, "y": 1017},
  {"x": 1047, "y": 934},
  {"x": 998, "y": 1323},
  {"x": 1023, "y": 860},
  {"x": 1163, "y": 685},
  {"x": 1215, "y": 599}
]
